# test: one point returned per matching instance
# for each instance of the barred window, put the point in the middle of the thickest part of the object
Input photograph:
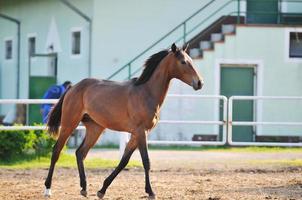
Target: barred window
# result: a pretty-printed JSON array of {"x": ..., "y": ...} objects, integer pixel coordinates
[
  {"x": 295, "y": 45},
  {"x": 31, "y": 45},
  {"x": 8, "y": 49},
  {"x": 76, "y": 43}
]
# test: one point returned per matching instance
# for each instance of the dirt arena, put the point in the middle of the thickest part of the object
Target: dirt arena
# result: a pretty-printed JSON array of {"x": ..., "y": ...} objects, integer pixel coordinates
[{"x": 208, "y": 175}]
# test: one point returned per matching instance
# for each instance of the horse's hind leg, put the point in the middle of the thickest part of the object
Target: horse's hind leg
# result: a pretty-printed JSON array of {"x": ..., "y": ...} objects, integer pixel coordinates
[
  {"x": 69, "y": 121},
  {"x": 131, "y": 146},
  {"x": 64, "y": 135},
  {"x": 93, "y": 131}
]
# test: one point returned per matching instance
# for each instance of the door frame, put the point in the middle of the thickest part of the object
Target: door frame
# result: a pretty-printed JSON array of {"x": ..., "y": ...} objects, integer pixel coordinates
[{"x": 258, "y": 85}]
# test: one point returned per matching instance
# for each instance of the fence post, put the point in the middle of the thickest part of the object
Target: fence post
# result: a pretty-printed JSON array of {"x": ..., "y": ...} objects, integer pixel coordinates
[
  {"x": 229, "y": 122},
  {"x": 124, "y": 138}
]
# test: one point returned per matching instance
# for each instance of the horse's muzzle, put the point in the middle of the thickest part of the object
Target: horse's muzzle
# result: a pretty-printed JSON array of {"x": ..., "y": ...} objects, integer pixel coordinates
[{"x": 197, "y": 84}]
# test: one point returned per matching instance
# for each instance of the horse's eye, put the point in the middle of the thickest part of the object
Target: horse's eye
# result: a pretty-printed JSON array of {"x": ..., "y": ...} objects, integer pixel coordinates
[{"x": 183, "y": 62}]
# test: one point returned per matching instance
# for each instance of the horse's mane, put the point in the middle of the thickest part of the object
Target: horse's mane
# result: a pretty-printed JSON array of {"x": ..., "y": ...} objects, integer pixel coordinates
[{"x": 150, "y": 65}]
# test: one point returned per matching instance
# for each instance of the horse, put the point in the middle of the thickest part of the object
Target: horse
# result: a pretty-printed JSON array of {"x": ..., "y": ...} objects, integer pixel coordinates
[{"x": 132, "y": 106}]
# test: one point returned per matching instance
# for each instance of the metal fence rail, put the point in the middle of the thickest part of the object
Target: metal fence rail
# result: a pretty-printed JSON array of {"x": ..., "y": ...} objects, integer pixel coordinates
[
  {"x": 223, "y": 122},
  {"x": 125, "y": 137},
  {"x": 29, "y": 101},
  {"x": 232, "y": 123},
  {"x": 227, "y": 122}
]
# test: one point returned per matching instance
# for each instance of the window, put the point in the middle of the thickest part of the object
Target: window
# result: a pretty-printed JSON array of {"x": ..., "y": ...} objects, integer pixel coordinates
[
  {"x": 31, "y": 45},
  {"x": 76, "y": 43},
  {"x": 8, "y": 49},
  {"x": 295, "y": 45}
]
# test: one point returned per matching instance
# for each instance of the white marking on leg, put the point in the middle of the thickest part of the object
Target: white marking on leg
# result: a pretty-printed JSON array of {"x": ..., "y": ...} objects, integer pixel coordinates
[{"x": 47, "y": 192}]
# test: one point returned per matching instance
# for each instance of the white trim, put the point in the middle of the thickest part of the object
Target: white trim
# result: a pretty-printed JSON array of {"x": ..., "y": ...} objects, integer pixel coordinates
[
  {"x": 258, "y": 83},
  {"x": 9, "y": 38},
  {"x": 53, "y": 38},
  {"x": 288, "y": 59},
  {"x": 284, "y": 7},
  {"x": 72, "y": 30},
  {"x": 31, "y": 35},
  {"x": 243, "y": 7}
]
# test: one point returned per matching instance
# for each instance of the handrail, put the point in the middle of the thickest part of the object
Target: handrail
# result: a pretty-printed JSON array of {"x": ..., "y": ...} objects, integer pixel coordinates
[
  {"x": 230, "y": 14},
  {"x": 186, "y": 33},
  {"x": 162, "y": 38}
]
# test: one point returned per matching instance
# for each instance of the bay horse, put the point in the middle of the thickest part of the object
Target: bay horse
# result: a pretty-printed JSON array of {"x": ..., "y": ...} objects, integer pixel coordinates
[{"x": 132, "y": 106}]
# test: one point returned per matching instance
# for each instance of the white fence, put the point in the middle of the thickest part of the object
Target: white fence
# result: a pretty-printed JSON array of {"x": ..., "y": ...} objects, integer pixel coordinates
[
  {"x": 28, "y": 101},
  {"x": 223, "y": 122},
  {"x": 227, "y": 123},
  {"x": 232, "y": 123}
]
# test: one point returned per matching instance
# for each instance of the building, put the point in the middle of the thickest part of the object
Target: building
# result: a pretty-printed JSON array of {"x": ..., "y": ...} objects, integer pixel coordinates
[{"x": 258, "y": 53}]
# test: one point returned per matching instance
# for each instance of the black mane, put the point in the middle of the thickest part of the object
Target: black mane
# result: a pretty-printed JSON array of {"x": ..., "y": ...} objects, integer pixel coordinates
[{"x": 150, "y": 66}]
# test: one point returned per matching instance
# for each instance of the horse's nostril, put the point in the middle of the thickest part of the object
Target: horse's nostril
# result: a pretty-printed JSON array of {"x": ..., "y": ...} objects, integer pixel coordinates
[{"x": 199, "y": 84}]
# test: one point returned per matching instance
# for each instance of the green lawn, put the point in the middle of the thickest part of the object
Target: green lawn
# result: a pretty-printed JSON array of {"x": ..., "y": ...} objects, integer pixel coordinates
[
  {"x": 65, "y": 160},
  {"x": 69, "y": 161}
]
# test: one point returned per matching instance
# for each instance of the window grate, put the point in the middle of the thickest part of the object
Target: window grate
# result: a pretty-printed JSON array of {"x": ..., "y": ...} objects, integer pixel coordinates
[
  {"x": 76, "y": 43},
  {"x": 31, "y": 46},
  {"x": 8, "y": 49},
  {"x": 295, "y": 45}
]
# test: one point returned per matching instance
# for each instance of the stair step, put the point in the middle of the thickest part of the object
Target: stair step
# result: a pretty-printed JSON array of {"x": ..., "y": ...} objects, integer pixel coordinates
[
  {"x": 205, "y": 45},
  {"x": 217, "y": 37},
  {"x": 228, "y": 28},
  {"x": 195, "y": 53}
]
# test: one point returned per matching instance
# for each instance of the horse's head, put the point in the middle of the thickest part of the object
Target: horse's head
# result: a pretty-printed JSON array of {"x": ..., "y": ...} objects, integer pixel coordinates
[{"x": 184, "y": 69}]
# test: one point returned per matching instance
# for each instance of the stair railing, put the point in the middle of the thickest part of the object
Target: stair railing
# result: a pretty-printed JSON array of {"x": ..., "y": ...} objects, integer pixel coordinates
[
  {"x": 183, "y": 24},
  {"x": 237, "y": 13}
]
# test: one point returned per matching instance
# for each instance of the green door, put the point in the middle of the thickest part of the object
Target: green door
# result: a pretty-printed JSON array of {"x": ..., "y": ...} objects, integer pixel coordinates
[
  {"x": 262, "y": 11},
  {"x": 239, "y": 81},
  {"x": 37, "y": 87}
]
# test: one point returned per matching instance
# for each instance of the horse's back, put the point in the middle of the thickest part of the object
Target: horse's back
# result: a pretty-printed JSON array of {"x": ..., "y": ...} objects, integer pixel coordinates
[{"x": 103, "y": 100}]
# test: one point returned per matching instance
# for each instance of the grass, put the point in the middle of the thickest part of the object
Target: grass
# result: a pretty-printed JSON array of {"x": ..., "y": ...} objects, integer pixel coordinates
[
  {"x": 65, "y": 160},
  {"x": 69, "y": 161},
  {"x": 249, "y": 149}
]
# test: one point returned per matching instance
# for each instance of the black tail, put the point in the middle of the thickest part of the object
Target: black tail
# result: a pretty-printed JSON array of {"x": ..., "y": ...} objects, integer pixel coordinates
[{"x": 54, "y": 117}]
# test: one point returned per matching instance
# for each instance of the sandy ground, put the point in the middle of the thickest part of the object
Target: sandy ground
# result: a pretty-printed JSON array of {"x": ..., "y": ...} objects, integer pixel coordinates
[{"x": 174, "y": 175}]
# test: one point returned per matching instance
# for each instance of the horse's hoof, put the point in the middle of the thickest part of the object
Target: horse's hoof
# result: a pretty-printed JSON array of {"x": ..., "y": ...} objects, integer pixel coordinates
[
  {"x": 47, "y": 192},
  {"x": 100, "y": 195},
  {"x": 84, "y": 193},
  {"x": 151, "y": 196}
]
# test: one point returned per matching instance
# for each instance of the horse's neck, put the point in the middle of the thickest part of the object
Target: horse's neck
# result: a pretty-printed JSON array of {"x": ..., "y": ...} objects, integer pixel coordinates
[{"x": 159, "y": 83}]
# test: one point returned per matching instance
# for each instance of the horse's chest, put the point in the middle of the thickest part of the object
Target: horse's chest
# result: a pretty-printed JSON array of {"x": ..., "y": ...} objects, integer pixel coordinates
[{"x": 152, "y": 120}]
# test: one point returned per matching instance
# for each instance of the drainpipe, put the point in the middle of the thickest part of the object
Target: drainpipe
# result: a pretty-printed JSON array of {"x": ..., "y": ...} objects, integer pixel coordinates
[
  {"x": 18, "y": 49},
  {"x": 89, "y": 20}
]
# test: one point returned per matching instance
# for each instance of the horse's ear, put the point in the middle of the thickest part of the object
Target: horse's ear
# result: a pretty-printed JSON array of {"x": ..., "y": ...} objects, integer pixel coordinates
[
  {"x": 174, "y": 48},
  {"x": 185, "y": 47}
]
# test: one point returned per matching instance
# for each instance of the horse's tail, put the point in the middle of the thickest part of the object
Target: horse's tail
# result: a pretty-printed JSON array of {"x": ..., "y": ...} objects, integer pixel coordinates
[{"x": 54, "y": 117}]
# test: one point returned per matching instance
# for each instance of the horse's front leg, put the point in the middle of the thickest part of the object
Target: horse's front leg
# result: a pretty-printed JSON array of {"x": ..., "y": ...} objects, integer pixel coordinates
[
  {"x": 143, "y": 149},
  {"x": 130, "y": 148},
  {"x": 93, "y": 132}
]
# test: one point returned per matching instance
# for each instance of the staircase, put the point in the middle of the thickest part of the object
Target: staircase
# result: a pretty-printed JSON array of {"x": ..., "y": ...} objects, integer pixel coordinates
[
  {"x": 215, "y": 33},
  {"x": 198, "y": 38},
  {"x": 219, "y": 20}
]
